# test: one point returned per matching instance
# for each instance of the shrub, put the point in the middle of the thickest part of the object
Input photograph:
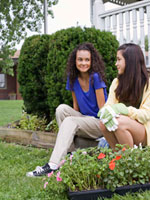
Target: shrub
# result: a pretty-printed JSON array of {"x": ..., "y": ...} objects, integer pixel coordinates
[
  {"x": 61, "y": 45},
  {"x": 31, "y": 74},
  {"x": 42, "y": 64},
  {"x": 32, "y": 122}
]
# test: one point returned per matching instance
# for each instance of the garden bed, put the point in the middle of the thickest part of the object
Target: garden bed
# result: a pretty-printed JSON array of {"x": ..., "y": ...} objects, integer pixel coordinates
[
  {"x": 41, "y": 139},
  {"x": 27, "y": 137}
]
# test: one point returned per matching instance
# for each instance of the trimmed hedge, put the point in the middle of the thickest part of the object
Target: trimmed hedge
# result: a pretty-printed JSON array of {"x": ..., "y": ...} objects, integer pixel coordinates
[
  {"x": 31, "y": 74},
  {"x": 42, "y": 64}
]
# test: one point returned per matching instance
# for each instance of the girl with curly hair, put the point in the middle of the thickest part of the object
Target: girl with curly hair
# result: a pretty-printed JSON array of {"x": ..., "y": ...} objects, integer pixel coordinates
[{"x": 86, "y": 81}]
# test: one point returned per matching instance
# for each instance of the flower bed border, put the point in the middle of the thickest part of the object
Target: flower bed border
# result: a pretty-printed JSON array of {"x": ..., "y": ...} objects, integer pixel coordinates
[
  {"x": 26, "y": 137},
  {"x": 104, "y": 193},
  {"x": 39, "y": 139}
]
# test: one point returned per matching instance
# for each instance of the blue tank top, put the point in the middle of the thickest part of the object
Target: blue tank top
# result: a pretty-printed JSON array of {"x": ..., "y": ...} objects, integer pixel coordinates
[{"x": 87, "y": 100}]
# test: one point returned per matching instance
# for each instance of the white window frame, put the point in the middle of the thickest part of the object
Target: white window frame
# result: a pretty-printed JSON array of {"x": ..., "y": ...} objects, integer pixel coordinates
[{"x": 2, "y": 81}]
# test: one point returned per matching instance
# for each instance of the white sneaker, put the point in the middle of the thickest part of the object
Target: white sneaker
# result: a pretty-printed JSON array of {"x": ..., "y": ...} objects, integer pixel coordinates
[{"x": 40, "y": 171}]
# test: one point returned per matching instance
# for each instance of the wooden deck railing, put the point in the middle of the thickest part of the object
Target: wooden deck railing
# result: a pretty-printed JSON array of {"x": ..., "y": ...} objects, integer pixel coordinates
[{"x": 130, "y": 23}]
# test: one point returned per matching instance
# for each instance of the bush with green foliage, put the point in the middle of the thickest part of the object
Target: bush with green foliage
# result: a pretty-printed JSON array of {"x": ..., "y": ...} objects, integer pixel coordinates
[
  {"x": 34, "y": 123},
  {"x": 31, "y": 74},
  {"x": 42, "y": 64},
  {"x": 31, "y": 122}
]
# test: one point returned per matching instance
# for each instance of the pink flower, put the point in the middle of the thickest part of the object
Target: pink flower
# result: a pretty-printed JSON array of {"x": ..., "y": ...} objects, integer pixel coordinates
[
  {"x": 45, "y": 184},
  {"x": 58, "y": 173},
  {"x": 50, "y": 174},
  {"x": 71, "y": 156},
  {"x": 84, "y": 152},
  {"x": 61, "y": 163},
  {"x": 58, "y": 178}
]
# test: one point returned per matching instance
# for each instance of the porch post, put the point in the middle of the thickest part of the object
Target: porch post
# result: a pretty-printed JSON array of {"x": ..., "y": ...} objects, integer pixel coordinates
[
  {"x": 148, "y": 24},
  {"x": 45, "y": 17},
  {"x": 98, "y": 8}
]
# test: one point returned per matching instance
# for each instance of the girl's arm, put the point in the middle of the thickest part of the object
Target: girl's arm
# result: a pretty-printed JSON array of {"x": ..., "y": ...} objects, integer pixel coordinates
[
  {"x": 112, "y": 97},
  {"x": 75, "y": 103},
  {"x": 100, "y": 97}
]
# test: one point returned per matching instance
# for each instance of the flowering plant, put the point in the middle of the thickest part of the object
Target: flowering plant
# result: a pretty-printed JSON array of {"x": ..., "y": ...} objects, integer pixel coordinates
[{"x": 95, "y": 168}]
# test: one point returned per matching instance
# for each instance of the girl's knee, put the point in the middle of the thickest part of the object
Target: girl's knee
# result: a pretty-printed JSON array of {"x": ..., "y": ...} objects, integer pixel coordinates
[
  {"x": 60, "y": 109},
  {"x": 69, "y": 121},
  {"x": 102, "y": 127},
  {"x": 122, "y": 123}
]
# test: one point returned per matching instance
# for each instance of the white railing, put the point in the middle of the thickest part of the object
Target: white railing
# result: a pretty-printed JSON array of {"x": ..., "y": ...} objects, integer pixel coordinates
[{"x": 130, "y": 23}]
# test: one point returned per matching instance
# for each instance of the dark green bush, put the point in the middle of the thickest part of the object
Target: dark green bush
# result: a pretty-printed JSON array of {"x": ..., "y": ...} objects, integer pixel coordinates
[
  {"x": 61, "y": 44},
  {"x": 42, "y": 65},
  {"x": 31, "y": 74}
]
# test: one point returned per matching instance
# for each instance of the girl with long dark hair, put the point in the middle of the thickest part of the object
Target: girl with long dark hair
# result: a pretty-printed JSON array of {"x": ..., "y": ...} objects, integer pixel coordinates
[{"x": 125, "y": 118}]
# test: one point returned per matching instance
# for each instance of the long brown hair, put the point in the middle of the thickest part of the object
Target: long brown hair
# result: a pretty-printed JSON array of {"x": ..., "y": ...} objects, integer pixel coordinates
[
  {"x": 97, "y": 64},
  {"x": 135, "y": 76}
]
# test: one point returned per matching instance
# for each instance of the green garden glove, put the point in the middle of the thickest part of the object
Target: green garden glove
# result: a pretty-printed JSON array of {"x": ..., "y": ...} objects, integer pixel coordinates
[
  {"x": 112, "y": 124},
  {"x": 108, "y": 115},
  {"x": 108, "y": 112}
]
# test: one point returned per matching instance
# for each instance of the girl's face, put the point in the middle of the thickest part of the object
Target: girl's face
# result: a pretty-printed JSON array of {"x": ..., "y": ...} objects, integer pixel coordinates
[
  {"x": 120, "y": 64},
  {"x": 83, "y": 61}
]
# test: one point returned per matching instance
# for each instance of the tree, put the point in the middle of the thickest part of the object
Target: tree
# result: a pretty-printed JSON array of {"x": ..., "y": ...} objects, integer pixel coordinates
[{"x": 16, "y": 18}]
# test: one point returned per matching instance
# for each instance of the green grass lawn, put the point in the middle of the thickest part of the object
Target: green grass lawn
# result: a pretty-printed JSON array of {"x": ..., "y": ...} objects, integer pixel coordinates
[
  {"x": 16, "y": 160},
  {"x": 10, "y": 111}
]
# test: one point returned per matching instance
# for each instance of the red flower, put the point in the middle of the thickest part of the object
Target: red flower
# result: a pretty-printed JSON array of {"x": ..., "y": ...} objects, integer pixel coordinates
[
  {"x": 113, "y": 160},
  {"x": 101, "y": 155},
  {"x": 123, "y": 149},
  {"x": 98, "y": 176},
  {"x": 112, "y": 165},
  {"x": 118, "y": 157}
]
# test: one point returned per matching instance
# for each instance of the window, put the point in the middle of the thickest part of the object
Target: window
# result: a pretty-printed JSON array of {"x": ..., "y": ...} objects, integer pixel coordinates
[{"x": 2, "y": 81}]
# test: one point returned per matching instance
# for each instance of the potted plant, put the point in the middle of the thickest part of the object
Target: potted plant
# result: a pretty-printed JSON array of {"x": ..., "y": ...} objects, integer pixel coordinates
[
  {"x": 12, "y": 96},
  {"x": 99, "y": 172}
]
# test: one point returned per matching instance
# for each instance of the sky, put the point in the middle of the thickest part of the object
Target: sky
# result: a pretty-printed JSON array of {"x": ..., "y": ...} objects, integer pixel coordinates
[{"x": 68, "y": 13}]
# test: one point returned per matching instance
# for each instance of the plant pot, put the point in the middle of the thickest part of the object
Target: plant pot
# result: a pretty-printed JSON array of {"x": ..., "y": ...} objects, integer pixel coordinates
[
  {"x": 12, "y": 96},
  {"x": 104, "y": 193}
]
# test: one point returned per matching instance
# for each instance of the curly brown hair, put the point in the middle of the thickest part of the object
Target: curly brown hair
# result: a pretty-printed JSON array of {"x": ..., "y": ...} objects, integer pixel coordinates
[{"x": 97, "y": 64}]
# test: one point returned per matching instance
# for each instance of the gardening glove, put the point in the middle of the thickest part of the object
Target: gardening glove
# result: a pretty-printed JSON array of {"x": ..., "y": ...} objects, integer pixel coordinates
[
  {"x": 112, "y": 124},
  {"x": 108, "y": 115},
  {"x": 108, "y": 112}
]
